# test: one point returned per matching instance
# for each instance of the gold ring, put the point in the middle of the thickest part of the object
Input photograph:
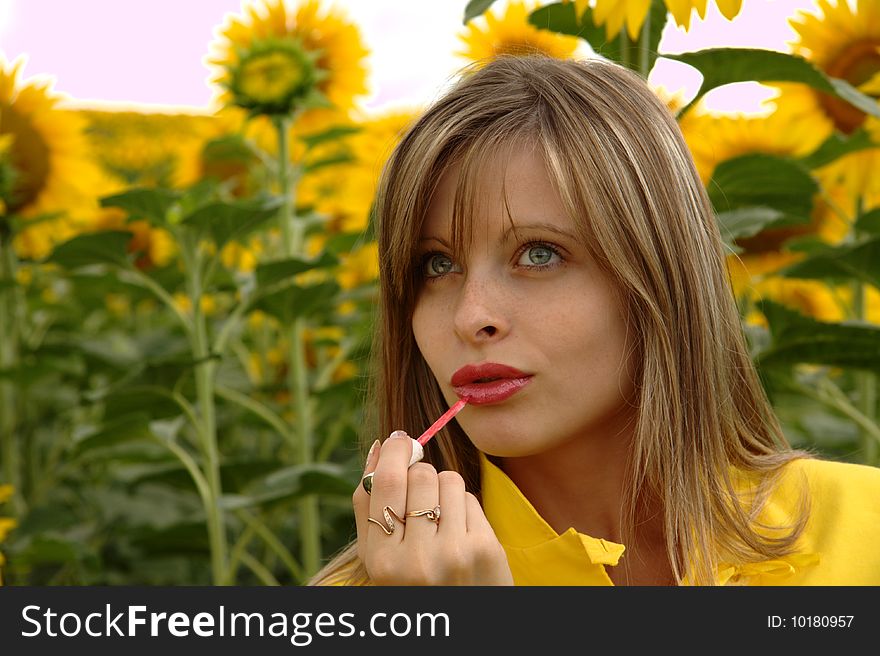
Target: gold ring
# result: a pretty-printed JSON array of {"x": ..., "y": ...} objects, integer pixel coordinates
[
  {"x": 432, "y": 514},
  {"x": 388, "y": 526}
]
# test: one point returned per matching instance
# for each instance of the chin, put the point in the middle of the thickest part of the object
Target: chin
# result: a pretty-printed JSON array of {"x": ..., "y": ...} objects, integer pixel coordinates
[{"x": 506, "y": 447}]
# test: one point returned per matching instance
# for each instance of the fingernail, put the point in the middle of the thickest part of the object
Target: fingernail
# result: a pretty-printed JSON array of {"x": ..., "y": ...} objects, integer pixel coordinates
[
  {"x": 398, "y": 434},
  {"x": 370, "y": 453}
]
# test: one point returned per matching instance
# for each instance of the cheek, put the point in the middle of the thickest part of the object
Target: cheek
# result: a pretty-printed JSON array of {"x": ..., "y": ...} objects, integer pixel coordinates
[
  {"x": 589, "y": 342},
  {"x": 425, "y": 326}
]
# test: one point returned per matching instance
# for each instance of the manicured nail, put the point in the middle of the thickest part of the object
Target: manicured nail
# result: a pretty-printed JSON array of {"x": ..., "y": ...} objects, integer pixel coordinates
[
  {"x": 370, "y": 453},
  {"x": 398, "y": 434}
]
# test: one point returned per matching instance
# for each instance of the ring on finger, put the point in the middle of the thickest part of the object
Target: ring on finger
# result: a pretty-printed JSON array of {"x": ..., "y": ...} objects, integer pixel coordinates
[
  {"x": 433, "y": 514},
  {"x": 367, "y": 482},
  {"x": 388, "y": 526}
]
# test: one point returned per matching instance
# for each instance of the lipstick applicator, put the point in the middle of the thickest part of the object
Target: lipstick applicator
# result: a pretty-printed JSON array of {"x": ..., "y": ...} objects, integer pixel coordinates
[{"x": 418, "y": 451}]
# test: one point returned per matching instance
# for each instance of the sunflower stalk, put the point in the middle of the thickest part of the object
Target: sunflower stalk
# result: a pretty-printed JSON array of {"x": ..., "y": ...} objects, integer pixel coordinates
[
  {"x": 8, "y": 361},
  {"x": 866, "y": 381},
  {"x": 204, "y": 375},
  {"x": 644, "y": 41},
  {"x": 297, "y": 374}
]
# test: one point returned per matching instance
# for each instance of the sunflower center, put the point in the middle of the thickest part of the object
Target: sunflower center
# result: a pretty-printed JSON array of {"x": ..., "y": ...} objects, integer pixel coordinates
[
  {"x": 29, "y": 159},
  {"x": 271, "y": 76},
  {"x": 857, "y": 63}
]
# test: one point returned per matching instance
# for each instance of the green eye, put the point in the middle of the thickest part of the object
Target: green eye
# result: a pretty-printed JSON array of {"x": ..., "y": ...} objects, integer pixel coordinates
[
  {"x": 431, "y": 258},
  {"x": 546, "y": 253}
]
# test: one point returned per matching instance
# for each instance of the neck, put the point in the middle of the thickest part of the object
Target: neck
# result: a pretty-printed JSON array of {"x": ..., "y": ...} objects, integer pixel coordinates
[{"x": 581, "y": 484}]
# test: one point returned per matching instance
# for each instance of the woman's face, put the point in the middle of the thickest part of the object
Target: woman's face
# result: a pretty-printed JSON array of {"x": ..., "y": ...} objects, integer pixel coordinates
[{"x": 539, "y": 304}]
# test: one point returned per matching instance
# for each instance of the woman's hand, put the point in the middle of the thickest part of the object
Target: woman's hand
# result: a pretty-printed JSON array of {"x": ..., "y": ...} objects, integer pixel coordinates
[{"x": 459, "y": 549}]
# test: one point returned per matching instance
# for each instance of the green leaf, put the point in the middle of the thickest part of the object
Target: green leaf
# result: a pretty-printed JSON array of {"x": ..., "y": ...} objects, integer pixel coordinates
[
  {"x": 107, "y": 247},
  {"x": 841, "y": 264},
  {"x": 746, "y": 221},
  {"x": 296, "y": 481},
  {"x": 475, "y": 8},
  {"x": 837, "y": 145},
  {"x": 227, "y": 221},
  {"x": 293, "y": 301},
  {"x": 143, "y": 203},
  {"x": 721, "y": 66},
  {"x": 562, "y": 18},
  {"x": 797, "y": 338},
  {"x": 49, "y": 550},
  {"x": 35, "y": 370},
  {"x": 869, "y": 222},
  {"x": 330, "y": 160},
  {"x": 766, "y": 181},
  {"x": 272, "y": 272},
  {"x": 47, "y": 518},
  {"x": 182, "y": 537},
  {"x": 124, "y": 429},
  {"x": 128, "y": 401},
  {"x": 331, "y": 134},
  {"x": 809, "y": 244},
  {"x": 345, "y": 242},
  {"x": 17, "y": 224},
  {"x": 229, "y": 147}
]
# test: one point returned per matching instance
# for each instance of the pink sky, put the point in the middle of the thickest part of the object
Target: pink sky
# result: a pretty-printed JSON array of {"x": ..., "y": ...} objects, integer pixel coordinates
[{"x": 127, "y": 53}]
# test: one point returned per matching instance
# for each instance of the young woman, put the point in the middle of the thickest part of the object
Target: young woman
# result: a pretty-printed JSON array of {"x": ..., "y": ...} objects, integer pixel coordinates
[{"x": 543, "y": 224}]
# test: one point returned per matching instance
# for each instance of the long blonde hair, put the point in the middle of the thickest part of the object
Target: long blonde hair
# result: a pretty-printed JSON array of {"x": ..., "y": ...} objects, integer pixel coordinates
[{"x": 627, "y": 180}]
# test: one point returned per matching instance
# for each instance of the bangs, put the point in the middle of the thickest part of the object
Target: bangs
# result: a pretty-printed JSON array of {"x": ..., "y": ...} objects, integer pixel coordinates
[{"x": 475, "y": 160}]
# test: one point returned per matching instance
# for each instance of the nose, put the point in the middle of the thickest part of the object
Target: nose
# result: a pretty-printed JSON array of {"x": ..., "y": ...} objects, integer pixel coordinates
[{"x": 481, "y": 312}]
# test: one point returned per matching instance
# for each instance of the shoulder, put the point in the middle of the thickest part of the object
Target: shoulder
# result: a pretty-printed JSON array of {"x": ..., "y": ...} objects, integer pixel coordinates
[
  {"x": 844, "y": 518},
  {"x": 843, "y": 480}
]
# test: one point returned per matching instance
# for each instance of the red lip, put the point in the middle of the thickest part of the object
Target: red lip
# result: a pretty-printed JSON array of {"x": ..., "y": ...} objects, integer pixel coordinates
[
  {"x": 471, "y": 372},
  {"x": 510, "y": 381}
]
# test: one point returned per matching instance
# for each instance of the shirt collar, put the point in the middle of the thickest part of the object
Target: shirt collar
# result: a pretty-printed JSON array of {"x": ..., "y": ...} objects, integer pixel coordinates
[{"x": 537, "y": 554}]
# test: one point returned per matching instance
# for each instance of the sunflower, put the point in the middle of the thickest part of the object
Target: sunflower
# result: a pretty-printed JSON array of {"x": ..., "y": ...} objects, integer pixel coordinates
[
  {"x": 844, "y": 44},
  {"x": 512, "y": 34},
  {"x": 267, "y": 56},
  {"x": 344, "y": 192},
  {"x": 155, "y": 149},
  {"x": 713, "y": 139},
  {"x": 47, "y": 177},
  {"x": 614, "y": 13}
]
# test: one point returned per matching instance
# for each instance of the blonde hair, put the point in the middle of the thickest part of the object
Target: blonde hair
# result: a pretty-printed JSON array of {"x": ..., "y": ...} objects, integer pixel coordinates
[{"x": 627, "y": 180}]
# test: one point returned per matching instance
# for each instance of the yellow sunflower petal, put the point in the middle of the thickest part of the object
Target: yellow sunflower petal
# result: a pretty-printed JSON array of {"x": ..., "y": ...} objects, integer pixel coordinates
[
  {"x": 729, "y": 8},
  {"x": 510, "y": 33},
  {"x": 50, "y": 155},
  {"x": 636, "y": 10}
]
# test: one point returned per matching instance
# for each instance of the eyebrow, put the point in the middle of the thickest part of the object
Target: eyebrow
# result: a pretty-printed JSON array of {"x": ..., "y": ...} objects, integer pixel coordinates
[{"x": 549, "y": 227}]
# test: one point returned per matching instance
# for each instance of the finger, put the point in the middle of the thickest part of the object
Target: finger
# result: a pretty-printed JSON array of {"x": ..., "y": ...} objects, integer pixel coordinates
[
  {"x": 453, "y": 510},
  {"x": 422, "y": 493},
  {"x": 476, "y": 518},
  {"x": 361, "y": 500},
  {"x": 389, "y": 487}
]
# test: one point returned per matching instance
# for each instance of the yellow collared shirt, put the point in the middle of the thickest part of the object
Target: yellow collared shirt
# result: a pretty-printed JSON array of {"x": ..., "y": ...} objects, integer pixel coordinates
[{"x": 838, "y": 547}]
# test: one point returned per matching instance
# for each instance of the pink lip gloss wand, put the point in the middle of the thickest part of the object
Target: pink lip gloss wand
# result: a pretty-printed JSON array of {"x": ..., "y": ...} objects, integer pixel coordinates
[{"x": 418, "y": 450}]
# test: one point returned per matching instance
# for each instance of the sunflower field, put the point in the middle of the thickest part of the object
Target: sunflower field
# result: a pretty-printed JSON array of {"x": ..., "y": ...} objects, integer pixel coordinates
[{"x": 186, "y": 299}]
